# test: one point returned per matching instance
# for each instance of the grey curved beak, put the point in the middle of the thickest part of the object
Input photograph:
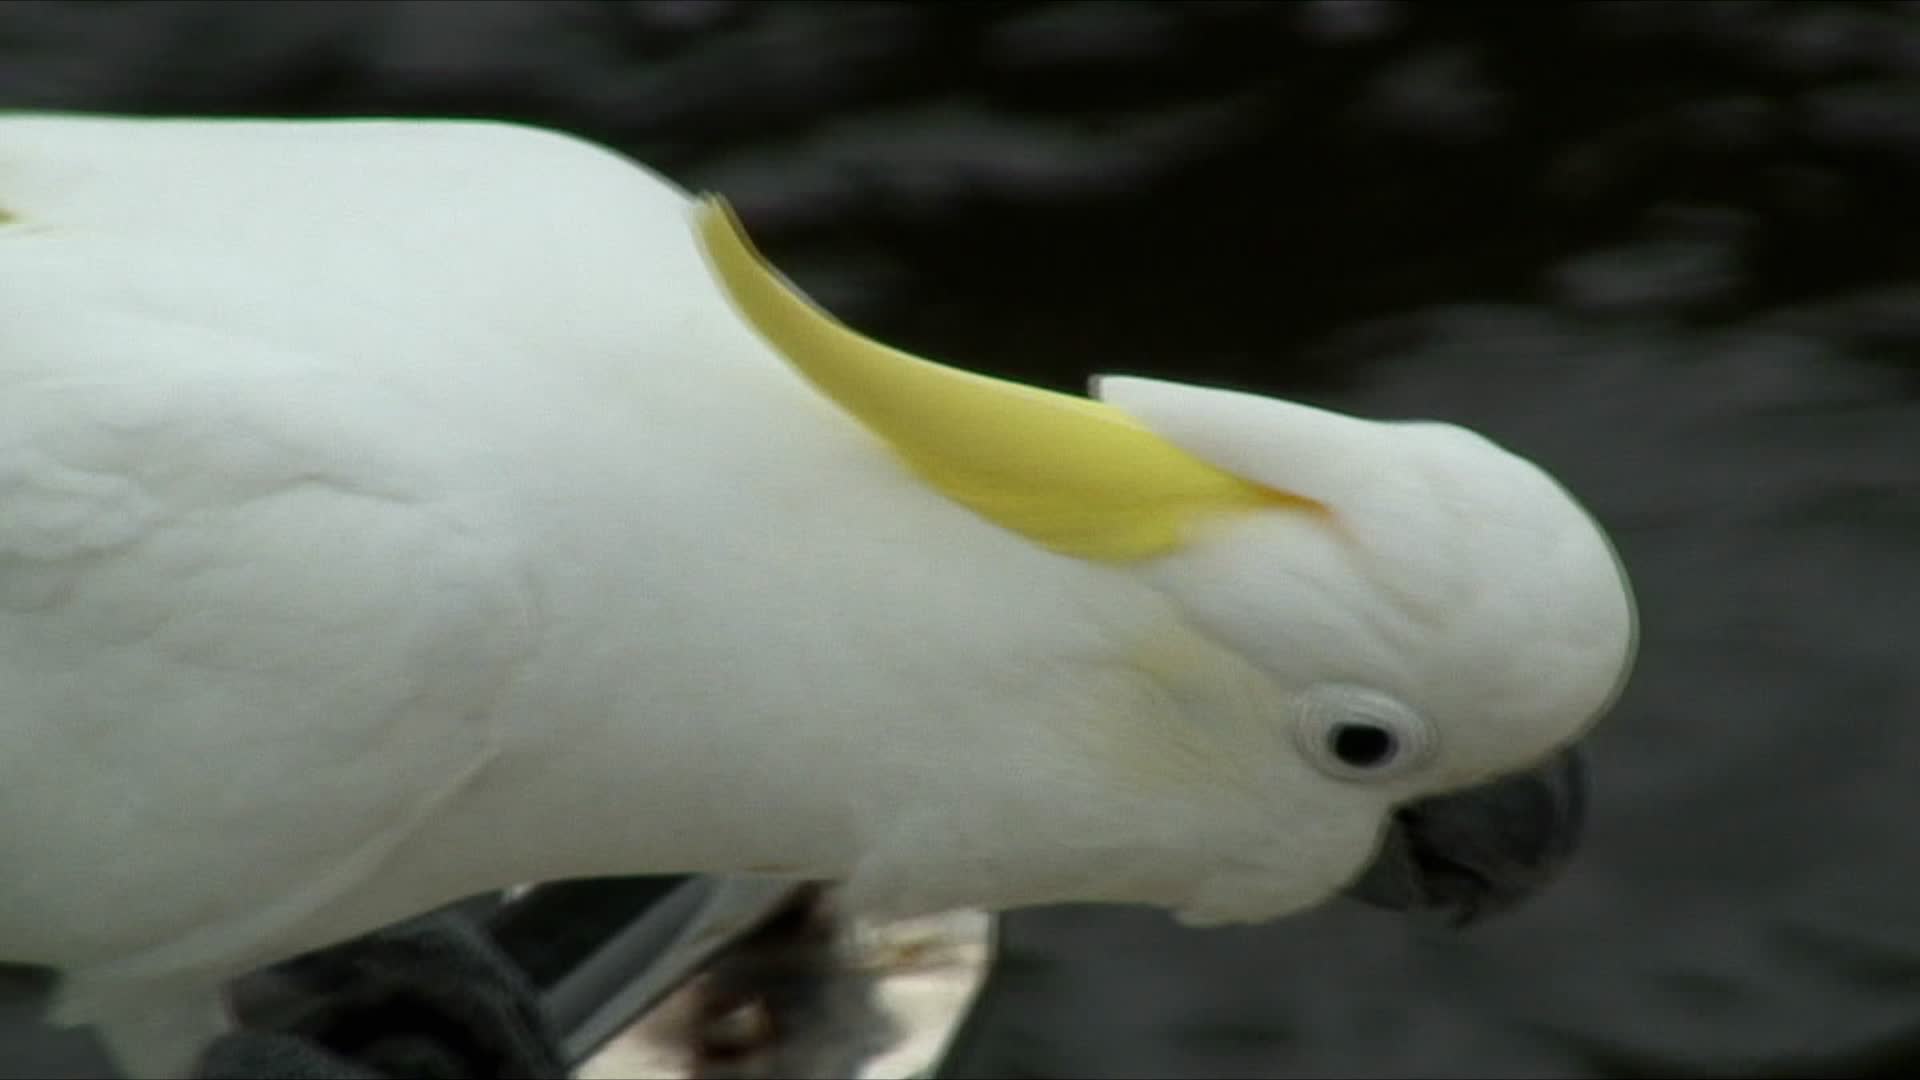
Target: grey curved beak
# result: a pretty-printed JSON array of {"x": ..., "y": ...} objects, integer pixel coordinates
[{"x": 1477, "y": 852}]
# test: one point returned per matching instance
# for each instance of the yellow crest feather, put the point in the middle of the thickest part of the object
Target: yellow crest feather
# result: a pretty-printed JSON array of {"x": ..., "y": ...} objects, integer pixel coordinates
[{"x": 1075, "y": 475}]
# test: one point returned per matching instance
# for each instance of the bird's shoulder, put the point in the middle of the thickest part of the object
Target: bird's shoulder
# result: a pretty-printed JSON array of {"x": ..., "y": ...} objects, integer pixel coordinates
[{"x": 256, "y": 615}]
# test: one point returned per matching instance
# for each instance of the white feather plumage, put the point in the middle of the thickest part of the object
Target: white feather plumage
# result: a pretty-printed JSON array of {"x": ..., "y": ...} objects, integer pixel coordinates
[{"x": 391, "y": 511}]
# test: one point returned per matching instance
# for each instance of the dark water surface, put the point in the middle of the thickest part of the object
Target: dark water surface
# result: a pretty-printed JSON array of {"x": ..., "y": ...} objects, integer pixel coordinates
[{"x": 1669, "y": 250}]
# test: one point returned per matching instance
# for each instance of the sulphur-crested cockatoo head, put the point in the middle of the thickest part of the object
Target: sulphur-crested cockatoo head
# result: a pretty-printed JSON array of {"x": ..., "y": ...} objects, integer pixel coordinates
[{"x": 1432, "y": 621}]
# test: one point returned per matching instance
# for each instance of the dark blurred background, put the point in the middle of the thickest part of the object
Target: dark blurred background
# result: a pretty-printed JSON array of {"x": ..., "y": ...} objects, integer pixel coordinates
[{"x": 1669, "y": 250}]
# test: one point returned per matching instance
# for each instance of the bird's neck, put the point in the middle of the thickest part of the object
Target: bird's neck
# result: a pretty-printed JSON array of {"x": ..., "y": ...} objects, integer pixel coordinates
[
  {"x": 851, "y": 703},
  {"x": 816, "y": 667}
]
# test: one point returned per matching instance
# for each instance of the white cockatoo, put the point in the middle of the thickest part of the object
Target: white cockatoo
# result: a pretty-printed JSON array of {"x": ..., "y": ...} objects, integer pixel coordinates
[{"x": 392, "y": 511}]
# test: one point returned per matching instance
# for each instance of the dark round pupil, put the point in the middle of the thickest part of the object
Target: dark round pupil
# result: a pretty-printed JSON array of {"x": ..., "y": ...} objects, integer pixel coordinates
[{"x": 1362, "y": 745}]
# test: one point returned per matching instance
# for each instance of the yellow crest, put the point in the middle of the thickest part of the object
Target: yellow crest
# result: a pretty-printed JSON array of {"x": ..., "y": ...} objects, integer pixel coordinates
[{"x": 1075, "y": 475}]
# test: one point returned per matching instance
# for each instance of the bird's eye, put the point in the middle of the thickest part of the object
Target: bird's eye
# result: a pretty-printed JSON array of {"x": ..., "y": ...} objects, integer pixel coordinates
[
  {"x": 1358, "y": 734},
  {"x": 1363, "y": 746}
]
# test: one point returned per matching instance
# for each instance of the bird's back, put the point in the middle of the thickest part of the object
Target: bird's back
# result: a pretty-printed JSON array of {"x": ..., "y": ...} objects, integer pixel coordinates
[{"x": 257, "y": 593}]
